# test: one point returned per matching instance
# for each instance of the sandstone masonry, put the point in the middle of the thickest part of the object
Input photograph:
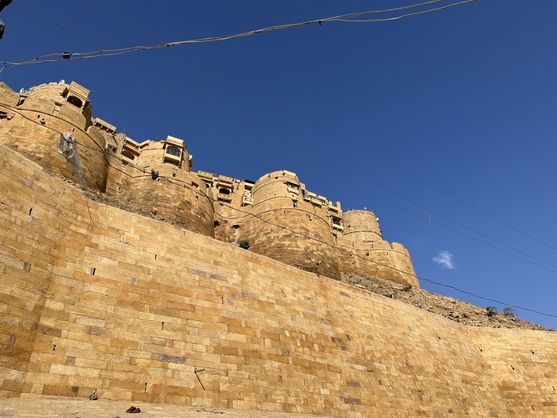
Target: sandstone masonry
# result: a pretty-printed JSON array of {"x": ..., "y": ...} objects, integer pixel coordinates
[
  {"x": 276, "y": 215},
  {"x": 93, "y": 297}
]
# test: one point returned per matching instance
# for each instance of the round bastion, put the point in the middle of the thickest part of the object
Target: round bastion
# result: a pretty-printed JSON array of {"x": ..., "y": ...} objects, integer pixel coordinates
[
  {"x": 155, "y": 177},
  {"x": 364, "y": 252},
  {"x": 287, "y": 227},
  {"x": 35, "y": 119}
]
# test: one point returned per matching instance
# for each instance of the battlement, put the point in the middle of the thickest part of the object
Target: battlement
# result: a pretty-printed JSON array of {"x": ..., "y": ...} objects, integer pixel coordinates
[{"x": 277, "y": 215}]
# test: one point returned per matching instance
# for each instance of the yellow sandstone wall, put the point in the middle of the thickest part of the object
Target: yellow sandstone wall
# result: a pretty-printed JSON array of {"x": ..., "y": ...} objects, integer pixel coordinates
[
  {"x": 176, "y": 195},
  {"x": 287, "y": 228},
  {"x": 363, "y": 251},
  {"x": 131, "y": 306},
  {"x": 33, "y": 128}
]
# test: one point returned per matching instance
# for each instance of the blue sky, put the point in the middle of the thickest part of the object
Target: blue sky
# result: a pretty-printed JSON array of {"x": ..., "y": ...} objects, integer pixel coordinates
[{"x": 464, "y": 99}]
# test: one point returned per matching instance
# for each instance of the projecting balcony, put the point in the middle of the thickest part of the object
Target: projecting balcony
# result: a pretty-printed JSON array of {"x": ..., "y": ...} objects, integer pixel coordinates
[
  {"x": 337, "y": 227},
  {"x": 222, "y": 197},
  {"x": 176, "y": 159}
]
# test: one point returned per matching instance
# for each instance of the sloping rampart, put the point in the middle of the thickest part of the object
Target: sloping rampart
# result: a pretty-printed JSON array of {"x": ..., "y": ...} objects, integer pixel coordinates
[{"x": 94, "y": 297}]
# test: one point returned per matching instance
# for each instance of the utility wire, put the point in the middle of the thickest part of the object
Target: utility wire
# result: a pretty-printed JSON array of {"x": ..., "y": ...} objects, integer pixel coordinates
[
  {"x": 552, "y": 269},
  {"x": 422, "y": 180},
  {"x": 118, "y": 18},
  {"x": 214, "y": 201},
  {"x": 391, "y": 164},
  {"x": 46, "y": 17},
  {"x": 405, "y": 171},
  {"x": 344, "y": 18},
  {"x": 543, "y": 265},
  {"x": 524, "y": 257}
]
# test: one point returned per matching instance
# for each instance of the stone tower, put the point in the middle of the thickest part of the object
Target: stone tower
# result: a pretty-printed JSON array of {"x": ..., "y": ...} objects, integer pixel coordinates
[
  {"x": 363, "y": 251},
  {"x": 290, "y": 224},
  {"x": 156, "y": 176},
  {"x": 32, "y": 120}
]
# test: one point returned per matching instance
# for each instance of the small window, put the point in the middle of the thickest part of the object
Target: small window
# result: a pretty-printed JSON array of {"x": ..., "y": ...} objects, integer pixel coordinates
[
  {"x": 20, "y": 101},
  {"x": 224, "y": 190},
  {"x": 128, "y": 154},
  {"x": 172, "y": 150},
  {"x": 75, "y": 101}
]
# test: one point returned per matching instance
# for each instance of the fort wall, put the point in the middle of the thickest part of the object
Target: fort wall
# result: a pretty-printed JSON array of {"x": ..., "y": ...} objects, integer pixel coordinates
[
  {"x": 105, "y": 299},
  {"x": 148, "y": 177},
  {"x": 33, "y": 124},
  {"x": 288, "y": 228},
  {"x": 276, "y": 216}
]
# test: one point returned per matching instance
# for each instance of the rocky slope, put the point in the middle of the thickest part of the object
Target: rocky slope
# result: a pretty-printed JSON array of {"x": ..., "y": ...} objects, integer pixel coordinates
[{"x": 453, "y": 309}]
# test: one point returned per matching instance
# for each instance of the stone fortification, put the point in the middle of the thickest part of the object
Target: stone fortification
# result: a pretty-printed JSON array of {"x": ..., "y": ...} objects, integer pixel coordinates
[
  {"x": 363, "y": 250},
  {"x": 288, "y": 226},
  {"x": 31, "y": 122},
  {"x": 155, "y": 176},
  {"x": 276, "y": 216},
  {"x": 96, "y": 298}
]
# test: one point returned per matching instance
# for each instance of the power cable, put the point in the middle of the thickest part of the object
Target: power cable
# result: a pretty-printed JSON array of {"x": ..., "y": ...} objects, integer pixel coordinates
[
  {"x": 48, "y": 18},
  {"x": 422, "y": 180},
  {"x": 531, "y": 259},
  {"x": 403, "y": 170},
  {"x": 247, "y": 213},
  {"x": 437, "y": 283},
  {"x": 552, "y": 267},
  {"x": 121, "y": 20},
  {"x": 383, "y": 160},
  {"x": 344, "y": 18}
]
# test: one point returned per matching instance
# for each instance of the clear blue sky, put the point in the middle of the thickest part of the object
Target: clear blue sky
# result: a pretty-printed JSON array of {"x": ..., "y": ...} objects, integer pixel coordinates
[{"x": 464, "y": 98}]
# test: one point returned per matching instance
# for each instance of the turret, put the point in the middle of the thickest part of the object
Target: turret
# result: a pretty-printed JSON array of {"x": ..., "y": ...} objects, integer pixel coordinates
[
  {"x": 363, "y": 251},
  {"x": 361, "y": 226},
  {"x": 155, "y": 177},
  {"x": 34, "y": 122},
  {"x": 290, "y": 224}
]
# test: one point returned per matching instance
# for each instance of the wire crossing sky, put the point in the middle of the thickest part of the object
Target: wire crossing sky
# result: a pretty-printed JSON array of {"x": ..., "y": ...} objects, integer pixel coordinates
[
  {"x": 297, "y": 233},
  {"x": 344, "y": 18}
]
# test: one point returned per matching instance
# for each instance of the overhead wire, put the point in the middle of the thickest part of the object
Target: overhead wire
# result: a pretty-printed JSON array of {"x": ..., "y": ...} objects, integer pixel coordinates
[
  {"x": 44, "y": 16},
  {"x": 539, "y": 262},
  {"x": 313, "y": 124},
  {"x": 475, "y": 231},
  {"x": 424, "y": 181},
  {"x": 343, "y": 18},
  {"x": 99, "y": 148}
]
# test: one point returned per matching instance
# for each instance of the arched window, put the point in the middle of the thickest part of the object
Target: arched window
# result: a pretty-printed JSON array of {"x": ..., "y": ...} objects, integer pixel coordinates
[
  {"x": 128, "y": 154},
  {"x": 75, "y": 101},
  {"x": 172, "y": 150}
]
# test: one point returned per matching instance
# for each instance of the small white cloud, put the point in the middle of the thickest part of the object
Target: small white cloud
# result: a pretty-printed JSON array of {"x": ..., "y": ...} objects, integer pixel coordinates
[{"x": 445, "y": 260}]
